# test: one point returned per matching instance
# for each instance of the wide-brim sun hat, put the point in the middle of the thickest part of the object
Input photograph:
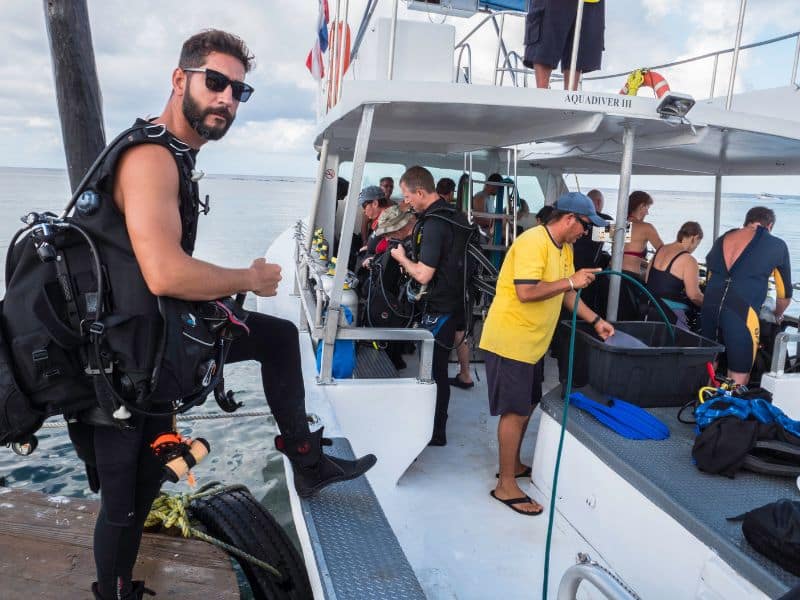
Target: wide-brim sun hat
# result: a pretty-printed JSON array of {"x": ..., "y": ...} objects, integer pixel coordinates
[{"x": 392, "y": 219}]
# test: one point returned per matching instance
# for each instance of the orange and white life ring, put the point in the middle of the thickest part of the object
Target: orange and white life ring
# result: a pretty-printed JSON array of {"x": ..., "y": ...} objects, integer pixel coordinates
[{"x": 645, "y": 77}]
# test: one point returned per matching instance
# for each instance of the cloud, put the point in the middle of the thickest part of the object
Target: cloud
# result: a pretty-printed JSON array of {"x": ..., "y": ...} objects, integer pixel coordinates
[{"x": 137, "y": 44}]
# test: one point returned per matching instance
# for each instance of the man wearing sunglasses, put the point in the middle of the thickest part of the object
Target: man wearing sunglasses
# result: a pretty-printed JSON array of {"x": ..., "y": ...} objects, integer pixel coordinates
[
  {"x": 152, "y": 184},
  {"x": 537, "y": 278}
]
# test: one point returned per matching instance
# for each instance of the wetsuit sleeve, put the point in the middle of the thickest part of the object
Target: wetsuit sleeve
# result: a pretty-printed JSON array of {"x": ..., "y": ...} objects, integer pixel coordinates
[
  {"x": 530, "y": 259},
  {"x": 783, "y": 275}
]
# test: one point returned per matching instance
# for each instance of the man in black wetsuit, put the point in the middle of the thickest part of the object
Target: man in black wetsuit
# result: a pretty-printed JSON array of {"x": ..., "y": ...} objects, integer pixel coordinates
[
  {"x": 439, "y": 266},
  {"x": 145, "y": 185},
  {"x": 739, "y": 267}
]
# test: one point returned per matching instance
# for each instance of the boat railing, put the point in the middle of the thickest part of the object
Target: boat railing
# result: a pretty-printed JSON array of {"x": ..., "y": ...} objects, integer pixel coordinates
[
  {"x": 780, "y": 350},
  {"x": 509, "y": 61},
  {"x": 593, "y": 572},
  {"x": 314, "y": 300}
]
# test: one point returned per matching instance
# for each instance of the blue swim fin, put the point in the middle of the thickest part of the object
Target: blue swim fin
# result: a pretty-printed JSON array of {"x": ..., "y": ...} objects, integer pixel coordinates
[
  {"x": 625, "y": 419},
  {"x": 657, "y": 429}
]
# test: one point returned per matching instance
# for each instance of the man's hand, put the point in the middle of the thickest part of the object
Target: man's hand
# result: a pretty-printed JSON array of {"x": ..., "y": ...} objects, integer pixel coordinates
[
  {"x": 264, "y": 277},
  {"x": 604, "y": 329},
  {"x": 581, "y": 279},
  {"x": 398, "y": 253}
]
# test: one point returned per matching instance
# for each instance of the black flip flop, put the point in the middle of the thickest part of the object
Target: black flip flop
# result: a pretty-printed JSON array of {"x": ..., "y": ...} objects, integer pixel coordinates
[
  {"x": 526, "y": 472},
  {"x": 512, "y": 501},
  {"x": 456, "y": 382}
]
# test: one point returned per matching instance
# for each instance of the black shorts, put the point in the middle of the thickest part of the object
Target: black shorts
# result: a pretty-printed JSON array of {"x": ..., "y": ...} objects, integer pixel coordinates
[
  {"x": 514, "y": 386},
  {"x": 550, "y": 28}
]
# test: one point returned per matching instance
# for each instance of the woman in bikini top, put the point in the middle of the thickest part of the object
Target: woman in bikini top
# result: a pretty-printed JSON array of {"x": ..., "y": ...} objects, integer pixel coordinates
[
  {"x": 673, "y": 273},
  {"x": 635, "y": 252}
]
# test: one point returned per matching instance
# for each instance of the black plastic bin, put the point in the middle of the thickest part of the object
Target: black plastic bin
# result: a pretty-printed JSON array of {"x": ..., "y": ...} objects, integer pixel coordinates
[{"x": 663, "y": 374}]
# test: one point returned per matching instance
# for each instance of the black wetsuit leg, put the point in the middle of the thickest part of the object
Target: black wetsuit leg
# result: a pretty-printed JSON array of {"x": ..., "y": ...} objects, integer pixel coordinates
[
  {"x": 445, "y": 337},
  {"x": 275, "y": 344},
  {"x": 130, "y": 479}
]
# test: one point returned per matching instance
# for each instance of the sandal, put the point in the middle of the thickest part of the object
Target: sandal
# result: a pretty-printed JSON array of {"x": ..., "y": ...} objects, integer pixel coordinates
[
  {"x": 510, "y": 503},
  {"x": 456, "y": 382}
]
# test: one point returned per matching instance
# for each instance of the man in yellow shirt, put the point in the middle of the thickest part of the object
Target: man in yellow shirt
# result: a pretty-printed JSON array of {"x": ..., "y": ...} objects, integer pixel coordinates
[{"x": 537, "y": 278}]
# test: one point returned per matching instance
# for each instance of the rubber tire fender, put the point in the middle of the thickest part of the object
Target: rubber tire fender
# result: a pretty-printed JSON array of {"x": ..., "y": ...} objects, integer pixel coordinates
[{"x": 237, "y": 518}]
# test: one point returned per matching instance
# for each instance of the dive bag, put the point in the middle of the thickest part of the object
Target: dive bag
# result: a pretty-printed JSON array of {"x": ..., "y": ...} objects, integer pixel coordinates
[{"x": 80, "y": 328}]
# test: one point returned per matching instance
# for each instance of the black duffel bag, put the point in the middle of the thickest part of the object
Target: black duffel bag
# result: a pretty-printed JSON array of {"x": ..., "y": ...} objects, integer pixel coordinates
[{"x": 774, "y": 531}]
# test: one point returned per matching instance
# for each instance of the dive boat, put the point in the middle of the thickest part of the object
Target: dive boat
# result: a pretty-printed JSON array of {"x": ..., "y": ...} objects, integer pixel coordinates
[{"x": 632, "y": 519}]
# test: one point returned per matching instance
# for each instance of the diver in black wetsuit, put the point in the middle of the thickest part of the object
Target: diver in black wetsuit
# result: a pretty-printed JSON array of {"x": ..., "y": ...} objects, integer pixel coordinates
[
  {"x": 739, "y": 267},
  {"x": 143, "y": 199}
]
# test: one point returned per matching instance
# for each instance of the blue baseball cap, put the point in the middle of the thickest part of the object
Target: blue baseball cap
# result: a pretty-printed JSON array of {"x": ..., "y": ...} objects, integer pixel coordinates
[
  {"x": 369, "y": 194},
  {"x": 580, "y": 204}
]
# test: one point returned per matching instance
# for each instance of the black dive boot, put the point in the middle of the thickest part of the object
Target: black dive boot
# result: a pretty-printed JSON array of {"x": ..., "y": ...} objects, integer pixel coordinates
[
  {"x": 313, "y": 469},
  {"x": 137, "y": 591},
  {"x": 439, "y": 437}
]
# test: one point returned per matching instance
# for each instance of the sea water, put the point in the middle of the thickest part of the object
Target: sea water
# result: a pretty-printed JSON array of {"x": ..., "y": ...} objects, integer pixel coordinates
[{"x": 247, "y": 214}]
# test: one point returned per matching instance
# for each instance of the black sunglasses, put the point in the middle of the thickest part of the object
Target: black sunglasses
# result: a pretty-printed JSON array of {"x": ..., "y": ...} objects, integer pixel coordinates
[
  {"x": 217, "y": 82},
  {"x": 587, "y": 225}
]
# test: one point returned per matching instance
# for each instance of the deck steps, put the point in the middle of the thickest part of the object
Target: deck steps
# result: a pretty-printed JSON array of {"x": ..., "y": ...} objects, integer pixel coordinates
[
  {"x": 46, "y": 552},
  {"x": 357, "y": 553}
]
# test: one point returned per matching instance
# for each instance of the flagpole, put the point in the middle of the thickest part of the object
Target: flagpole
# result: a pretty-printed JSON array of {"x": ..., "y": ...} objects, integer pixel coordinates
[
  {"x": 332, "y": 45},
  {"x": 343, "y": 60}
]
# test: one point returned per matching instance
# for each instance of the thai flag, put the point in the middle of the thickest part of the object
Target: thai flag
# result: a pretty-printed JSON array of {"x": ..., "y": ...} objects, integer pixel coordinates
[{"x": 314, "y": 61}]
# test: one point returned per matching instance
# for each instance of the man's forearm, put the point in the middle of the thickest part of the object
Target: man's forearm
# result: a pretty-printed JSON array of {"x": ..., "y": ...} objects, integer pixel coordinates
[
  {"x": 584, "y": 312},
  {"x": 188, "y": 278},
  {"x": 419, "y": 272},
  {"x": 781, "y": 304},
  {"x": 536, "y": 292}
]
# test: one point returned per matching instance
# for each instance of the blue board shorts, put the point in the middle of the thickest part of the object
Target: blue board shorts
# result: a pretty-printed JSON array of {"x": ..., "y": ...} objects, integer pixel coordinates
[{"x": 550, "y": 27}]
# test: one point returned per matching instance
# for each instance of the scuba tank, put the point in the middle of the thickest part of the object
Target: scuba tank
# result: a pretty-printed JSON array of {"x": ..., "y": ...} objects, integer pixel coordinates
[{"x": 349, "y": 295}]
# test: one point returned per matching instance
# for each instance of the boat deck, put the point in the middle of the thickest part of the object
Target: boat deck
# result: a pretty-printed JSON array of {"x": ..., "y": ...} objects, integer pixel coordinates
[
  {"x": 448, "y": 524},
  {"x": 46, "y": 552},
  {"x": 700, "y": 502}
]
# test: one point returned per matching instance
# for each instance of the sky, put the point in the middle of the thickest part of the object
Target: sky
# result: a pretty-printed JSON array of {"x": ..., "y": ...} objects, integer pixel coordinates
[{"x": 137, "y": 43}]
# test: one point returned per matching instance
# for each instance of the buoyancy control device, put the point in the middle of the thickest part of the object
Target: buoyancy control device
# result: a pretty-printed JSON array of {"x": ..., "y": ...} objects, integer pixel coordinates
[
  {"x": 80, "y": 328},
  {"x": 477, "y": 273}
]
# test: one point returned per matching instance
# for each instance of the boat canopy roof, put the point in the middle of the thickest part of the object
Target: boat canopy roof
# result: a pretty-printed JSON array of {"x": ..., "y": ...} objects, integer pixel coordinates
[{"x": 577, "y": 132}]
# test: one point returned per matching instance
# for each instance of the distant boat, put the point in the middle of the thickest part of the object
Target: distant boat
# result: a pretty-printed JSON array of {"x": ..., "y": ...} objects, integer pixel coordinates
[{"x": 768, "y": 197}]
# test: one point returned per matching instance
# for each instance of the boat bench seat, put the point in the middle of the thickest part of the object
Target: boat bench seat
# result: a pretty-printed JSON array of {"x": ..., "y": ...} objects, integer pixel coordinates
[
  {"x": 356, "y": 551},
  {"x": 373, "y": 363},
  {"x": 700, "y": 502}
]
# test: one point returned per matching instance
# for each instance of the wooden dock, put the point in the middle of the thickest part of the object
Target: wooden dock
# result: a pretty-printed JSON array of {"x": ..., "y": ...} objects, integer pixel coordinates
[{"x": 46, "y": 552}]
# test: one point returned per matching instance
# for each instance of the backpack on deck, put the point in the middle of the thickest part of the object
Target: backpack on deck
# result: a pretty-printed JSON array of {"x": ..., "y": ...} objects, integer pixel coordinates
[{"x": 774, "y": 531}]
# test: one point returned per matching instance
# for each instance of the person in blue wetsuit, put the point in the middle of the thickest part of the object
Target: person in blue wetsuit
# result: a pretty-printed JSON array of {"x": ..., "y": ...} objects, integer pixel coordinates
[{"x": 739, "y": 267}]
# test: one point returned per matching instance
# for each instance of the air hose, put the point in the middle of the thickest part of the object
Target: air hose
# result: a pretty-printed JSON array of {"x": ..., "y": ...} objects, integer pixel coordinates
[{"x": 567, "y": 393}]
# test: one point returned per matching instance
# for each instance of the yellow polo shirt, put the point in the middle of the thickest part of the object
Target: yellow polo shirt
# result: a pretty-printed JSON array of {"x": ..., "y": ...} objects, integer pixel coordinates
[{"x": 523, "y": 330}]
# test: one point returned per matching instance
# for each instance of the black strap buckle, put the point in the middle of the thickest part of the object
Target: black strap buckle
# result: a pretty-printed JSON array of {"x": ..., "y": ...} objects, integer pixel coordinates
[{"x": 97, "y": 328}]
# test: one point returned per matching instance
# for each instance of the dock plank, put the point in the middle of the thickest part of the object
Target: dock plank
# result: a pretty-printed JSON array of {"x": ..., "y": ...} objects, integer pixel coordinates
[{"x": 46, "y": 552}]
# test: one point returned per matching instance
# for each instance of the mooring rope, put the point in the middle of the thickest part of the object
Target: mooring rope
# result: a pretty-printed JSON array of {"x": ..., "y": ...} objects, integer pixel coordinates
[
  {"x": 188, "y": 417},
  {"x": 170, "y": 512}
]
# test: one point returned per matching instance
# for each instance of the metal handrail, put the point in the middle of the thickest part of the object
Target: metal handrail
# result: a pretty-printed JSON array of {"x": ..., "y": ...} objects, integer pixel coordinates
[
  {"x": 779, "y": 350},
  {"x": 605, "y": 582},
  {"x": 467, "y": 77},
  {"x": 312, "y": 306},
  {"x": 699, "y": 57},
  {"x": 485, "y": 20},
  {"x": 514, "y": 69}
]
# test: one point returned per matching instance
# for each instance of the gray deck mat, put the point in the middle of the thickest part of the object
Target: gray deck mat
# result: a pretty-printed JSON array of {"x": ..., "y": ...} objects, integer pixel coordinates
[
  {"x": 663, "y": 471},
  {"x": 357, "y": 552},
  {"x": 372, "y": 363}
]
